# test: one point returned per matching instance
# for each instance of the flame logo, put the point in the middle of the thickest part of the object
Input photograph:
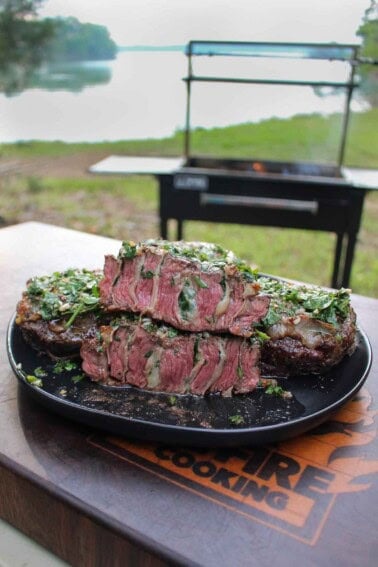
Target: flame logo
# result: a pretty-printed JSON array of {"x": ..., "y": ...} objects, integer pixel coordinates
[{"x": 336, "y": 445}]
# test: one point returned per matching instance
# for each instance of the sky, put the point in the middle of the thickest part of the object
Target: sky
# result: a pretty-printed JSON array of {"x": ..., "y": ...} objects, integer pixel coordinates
[{"x": 175, "y": 22}]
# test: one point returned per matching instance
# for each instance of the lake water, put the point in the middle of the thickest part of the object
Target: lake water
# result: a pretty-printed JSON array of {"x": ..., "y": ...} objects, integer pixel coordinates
[{"x": 142, "y": 95}]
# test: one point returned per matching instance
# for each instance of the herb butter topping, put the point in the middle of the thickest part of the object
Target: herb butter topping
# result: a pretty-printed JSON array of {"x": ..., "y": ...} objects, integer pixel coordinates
[
  {"x": 65, "y": 294},
  {"x": 288, "y": 299},
  {"x": 208, "y": 255}
]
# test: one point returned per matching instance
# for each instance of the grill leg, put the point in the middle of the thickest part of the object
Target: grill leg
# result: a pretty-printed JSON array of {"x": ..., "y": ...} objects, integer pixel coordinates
[
  {"x": 352, "y": 239},
  {"x": 163, "y": 228},
  {"x": 179, "y": 229},
  {"x": 336, "y": 265},
  {"x": 344, "y": 253}
]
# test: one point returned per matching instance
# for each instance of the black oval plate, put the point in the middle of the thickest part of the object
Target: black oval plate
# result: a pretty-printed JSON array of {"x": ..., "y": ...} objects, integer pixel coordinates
[{"x": 190, "y": 420}]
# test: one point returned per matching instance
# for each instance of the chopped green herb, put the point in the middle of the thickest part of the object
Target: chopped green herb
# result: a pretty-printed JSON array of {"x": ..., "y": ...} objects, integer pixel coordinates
[
  {"x": 70, "y": 365},
  {"x": 239, "y": 372},
  {"x": 261, "y": 336},
  {"x": 64, "y": 365},
  {"x": 236, "y": 419},
  {"x": 287, "y": 299},
  {"x": 186, "y": 300},
  {"x": 65, "y": 294},
  {"x": 34, "y": 287},
  {"x": 275, "y": 390},
  {"x": 77, "y": 378},
  {"x": 40, "y": 372},
  {"x": 50, "y": 304},
  {"x": 147, "y": 275},
  {"x": 247, "y": 271},
  {"x": 77, "y": 312},
  {"x": 172, "y": 333},
  {"x": 58, "y": 368},
  {"x": 172, "y": 400},
  {"x": 200, "y": 283},
  {"x": 34, "y": 380},
  {"x": 149, "y": 326},
  {"x": 128, "y": 250},
  {"x": 209, "y": 255}
]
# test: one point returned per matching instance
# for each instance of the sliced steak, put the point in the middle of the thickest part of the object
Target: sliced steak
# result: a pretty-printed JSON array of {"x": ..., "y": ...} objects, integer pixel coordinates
[
  {"x": 214, "y": 303},
  {"x": 160, "y": 358},
  {"x": 191, "y": 286}
]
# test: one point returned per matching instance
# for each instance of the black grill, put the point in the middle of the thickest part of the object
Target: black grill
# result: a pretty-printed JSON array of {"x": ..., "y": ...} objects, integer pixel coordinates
[{"x": 269, "y": 193}]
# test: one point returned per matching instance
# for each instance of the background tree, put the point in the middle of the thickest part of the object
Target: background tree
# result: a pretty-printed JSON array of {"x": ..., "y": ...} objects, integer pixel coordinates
[
  {"x": 368, "y": 31},
  {"x": 23, "y": 41},
  {"x": 26, "y": 42},
  {"x": 76, "y": 41}
]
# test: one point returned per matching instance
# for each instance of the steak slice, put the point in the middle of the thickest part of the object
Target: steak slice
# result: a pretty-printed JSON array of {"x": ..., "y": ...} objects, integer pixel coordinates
[
  {"x": 159, "y": 358},
  {"x": 192, "y": 286}
]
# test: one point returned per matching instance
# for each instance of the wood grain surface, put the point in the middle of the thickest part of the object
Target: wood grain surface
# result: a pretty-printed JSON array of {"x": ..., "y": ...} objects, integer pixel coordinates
[{"x": 95, "y": 499}]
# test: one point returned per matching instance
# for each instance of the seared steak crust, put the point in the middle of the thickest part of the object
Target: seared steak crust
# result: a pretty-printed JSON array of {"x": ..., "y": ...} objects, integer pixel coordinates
[{"x": 52, "y": 336}]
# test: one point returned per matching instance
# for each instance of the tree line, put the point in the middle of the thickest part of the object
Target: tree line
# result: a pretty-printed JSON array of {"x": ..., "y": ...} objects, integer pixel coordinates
[
  {"x": 74, "y": 41},
  {"x": 368, "y": 31},
  {"x": 27, "y": 42}
]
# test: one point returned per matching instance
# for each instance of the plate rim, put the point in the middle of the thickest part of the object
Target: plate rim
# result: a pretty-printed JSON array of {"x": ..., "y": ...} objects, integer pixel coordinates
[{"x": 302, "y": 422}]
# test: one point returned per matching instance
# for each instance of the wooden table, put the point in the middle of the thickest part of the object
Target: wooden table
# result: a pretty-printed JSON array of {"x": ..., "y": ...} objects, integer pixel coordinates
[{"x": 94, "y": 499}]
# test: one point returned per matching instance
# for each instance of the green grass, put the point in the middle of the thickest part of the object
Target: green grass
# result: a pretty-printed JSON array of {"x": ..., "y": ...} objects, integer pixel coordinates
[
  {"x": 108, "y": 206},
  {"x": 304, "y": 137},
  {"x": 126, "y": 207},
  {"x": 35, "y": 148}
]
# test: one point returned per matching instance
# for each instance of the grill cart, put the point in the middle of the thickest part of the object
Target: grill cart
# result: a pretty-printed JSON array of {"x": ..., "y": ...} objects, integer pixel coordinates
[{"x": 254, "y": 191}]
